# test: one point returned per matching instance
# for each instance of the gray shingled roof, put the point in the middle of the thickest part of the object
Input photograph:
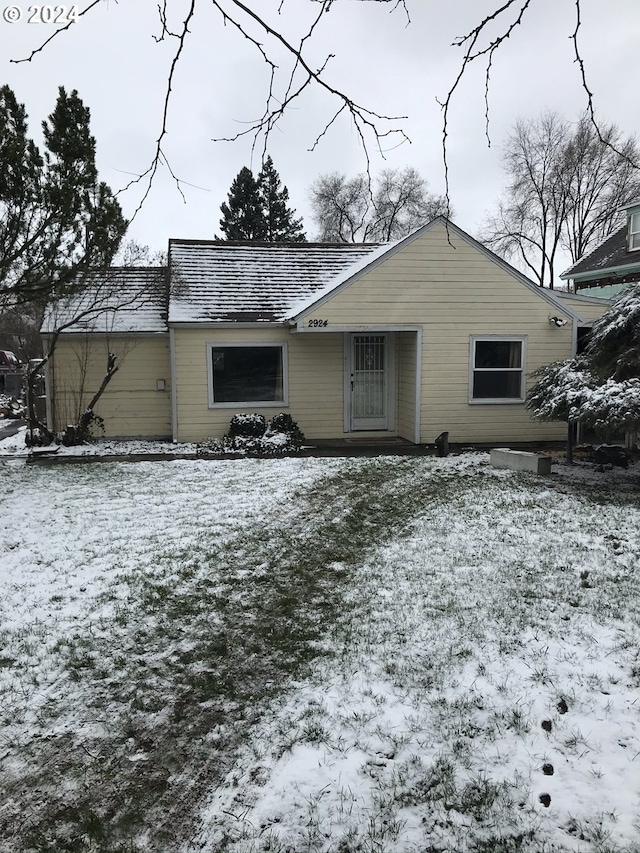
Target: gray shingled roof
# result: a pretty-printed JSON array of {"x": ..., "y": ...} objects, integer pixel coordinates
[
  {"x": 612, "y": 252},
  {"x": 230, "y": 282},
  {"x": 117, "y": 300}
]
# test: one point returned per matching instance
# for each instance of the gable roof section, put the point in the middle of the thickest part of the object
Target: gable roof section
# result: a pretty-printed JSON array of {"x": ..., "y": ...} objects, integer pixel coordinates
[
  {"x": 218, "y": 282},
  {"x": 223, "y": 282},
  {"x": 118, "y": 300},
  {"x": 611, "y": 256},
  {"x": 385, "y": 251}
]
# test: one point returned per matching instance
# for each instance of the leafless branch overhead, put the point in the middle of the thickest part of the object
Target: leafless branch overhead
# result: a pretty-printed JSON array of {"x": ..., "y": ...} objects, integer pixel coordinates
[{"x": 299, "y": 72}]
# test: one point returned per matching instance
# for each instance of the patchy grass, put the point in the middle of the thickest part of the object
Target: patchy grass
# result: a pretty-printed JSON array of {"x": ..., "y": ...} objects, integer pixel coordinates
[{"x": 378, "y": 654}]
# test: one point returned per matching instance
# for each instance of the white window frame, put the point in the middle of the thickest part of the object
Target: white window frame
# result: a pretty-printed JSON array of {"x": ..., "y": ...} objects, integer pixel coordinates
[
  {"x": 494, "y": 401},
  {"x": 634, "y": 231},
  {"x": 254, "y": 404}
]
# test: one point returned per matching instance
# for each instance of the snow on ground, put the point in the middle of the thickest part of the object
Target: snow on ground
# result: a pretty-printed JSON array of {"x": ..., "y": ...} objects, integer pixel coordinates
[
  {"x": 488, "y": 665},
  {"x": 471, "y": 643},
  {"x": 14, "y": 446}
]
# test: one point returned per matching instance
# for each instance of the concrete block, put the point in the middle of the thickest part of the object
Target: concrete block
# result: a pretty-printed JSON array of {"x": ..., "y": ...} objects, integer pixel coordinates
[{"x": 520, "y": 460}]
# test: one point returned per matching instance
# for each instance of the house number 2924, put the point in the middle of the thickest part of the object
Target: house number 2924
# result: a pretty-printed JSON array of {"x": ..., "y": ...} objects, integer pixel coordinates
[{"x": 313, "y": 323}]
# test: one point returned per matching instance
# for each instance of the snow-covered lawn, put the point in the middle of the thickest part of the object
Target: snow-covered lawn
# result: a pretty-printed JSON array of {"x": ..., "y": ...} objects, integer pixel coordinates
[{"x": 391, "y": 654}]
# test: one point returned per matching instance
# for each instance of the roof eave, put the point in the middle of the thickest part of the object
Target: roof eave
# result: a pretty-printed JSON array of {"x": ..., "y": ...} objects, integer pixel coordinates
[
  {"x": 599, "y": 273},
  {"x": 226, "y": 324}
]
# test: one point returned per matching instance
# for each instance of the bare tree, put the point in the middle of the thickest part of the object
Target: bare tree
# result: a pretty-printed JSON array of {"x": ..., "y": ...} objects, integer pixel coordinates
[
  {"x": 134, "y": 254},
  {"x": 599, "y": 177},
  {"x": 104, "y": 297},
  {"x": 351, "y": 210},
  {"x": 566, "y": 184},
  {"x": 292, "y": 70}
]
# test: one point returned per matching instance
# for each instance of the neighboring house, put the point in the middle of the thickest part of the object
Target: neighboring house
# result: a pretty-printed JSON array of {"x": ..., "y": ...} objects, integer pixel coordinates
[
  {"x": 431, "y": 333},
  {"x": 613, "y": 264}
]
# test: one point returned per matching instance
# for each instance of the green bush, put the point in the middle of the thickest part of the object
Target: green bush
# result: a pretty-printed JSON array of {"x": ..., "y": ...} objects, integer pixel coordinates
[
  {"x": 251, "y": 434},
  {"x": 247, "y": 426},
  {"x": 284, "y": 423}
]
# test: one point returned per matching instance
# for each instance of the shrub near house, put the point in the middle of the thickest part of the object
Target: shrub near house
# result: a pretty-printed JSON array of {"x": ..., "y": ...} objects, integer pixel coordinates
[{"x": 252, "y": 434}]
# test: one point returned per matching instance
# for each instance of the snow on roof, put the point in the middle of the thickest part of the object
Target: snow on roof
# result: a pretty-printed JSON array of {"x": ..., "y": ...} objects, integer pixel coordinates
[
  {"x": 612, "y": 251},
  {"x": 116, "y": 300},
  {"x": 229, "y": 282}
]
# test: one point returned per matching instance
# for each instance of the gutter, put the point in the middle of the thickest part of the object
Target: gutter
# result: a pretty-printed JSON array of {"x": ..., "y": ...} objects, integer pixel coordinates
[{"x": 595, "y": 274}]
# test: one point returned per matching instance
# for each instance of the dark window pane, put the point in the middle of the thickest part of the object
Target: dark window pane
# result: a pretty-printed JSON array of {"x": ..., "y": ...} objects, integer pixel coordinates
[
  {"x": 498, "y": 354},
  {"x": 496, "y": 384},
  {"x": 584, "y": 334},
  {"x": 247, "y": 374}
]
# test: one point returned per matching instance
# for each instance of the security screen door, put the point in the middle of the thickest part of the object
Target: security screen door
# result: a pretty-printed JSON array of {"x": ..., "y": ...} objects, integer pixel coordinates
[{"x": 369, "y": 382}]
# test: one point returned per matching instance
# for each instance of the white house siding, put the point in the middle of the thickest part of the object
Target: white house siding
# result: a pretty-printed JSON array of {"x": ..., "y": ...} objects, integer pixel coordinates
[
  {"x": 455, "y": 291},
  {"x": 315, "y": 380},
  {"x": 131, "y": 405}
]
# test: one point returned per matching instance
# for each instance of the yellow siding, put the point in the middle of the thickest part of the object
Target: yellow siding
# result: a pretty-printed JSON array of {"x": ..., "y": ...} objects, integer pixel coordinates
[
  {"x": 406, "y": 351},
  {"x": 316, "y": 381},
  {"x": 452, "y": 292},
  {"x": 130, "y": 406},
  {"x": 588, "y": 309},
  {"x": 455, "y": 291}
]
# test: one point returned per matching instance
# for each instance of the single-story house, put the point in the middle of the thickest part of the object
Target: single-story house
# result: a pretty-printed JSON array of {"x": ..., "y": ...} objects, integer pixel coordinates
[
  {"x": 431, "y": 333},
  {"x": 613, "y": 264}
]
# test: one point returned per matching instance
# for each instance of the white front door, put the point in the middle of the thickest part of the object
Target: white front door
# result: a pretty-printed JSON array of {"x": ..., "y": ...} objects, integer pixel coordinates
[{"x": 369, "y": 382}]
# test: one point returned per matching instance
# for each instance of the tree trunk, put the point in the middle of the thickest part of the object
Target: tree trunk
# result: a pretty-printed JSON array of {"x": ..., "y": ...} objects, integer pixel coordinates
[
  {"x": 44, "y": 435},
  {"x": 81, "y": 430}
]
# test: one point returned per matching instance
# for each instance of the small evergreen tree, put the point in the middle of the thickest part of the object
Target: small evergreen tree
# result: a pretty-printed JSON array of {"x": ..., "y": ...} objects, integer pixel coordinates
[
  {"x": 280, "y": 222},
  {"x": 243, "y": 217},
  {"x": 257, "y": 209}
]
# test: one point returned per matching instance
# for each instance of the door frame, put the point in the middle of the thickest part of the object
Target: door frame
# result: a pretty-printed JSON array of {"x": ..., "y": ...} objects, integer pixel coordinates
[{"x": 390, "y": 368}]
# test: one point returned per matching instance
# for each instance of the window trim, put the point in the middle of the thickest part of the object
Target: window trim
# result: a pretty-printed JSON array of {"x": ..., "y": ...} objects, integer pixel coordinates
[
  {"x": 494, "y": 401},
  {"x": 254, "y": 404},
  {"x": 631, "y": 233}
]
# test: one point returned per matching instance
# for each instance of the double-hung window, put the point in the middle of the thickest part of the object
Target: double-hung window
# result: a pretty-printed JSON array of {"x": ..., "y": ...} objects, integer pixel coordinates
[
  {"x": 254, "y": 374},
  {"x": 634, "y": 231},
  {"x": 497, "y": 369}
]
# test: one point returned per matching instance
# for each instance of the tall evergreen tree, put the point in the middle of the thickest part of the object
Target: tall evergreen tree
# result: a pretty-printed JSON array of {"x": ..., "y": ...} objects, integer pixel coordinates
[
  {"x": 242, "y": 216},
  {"x": 257, "y": 208},
  {"x": 56, "y": 219},
  {"x": 280, "y": 222}
]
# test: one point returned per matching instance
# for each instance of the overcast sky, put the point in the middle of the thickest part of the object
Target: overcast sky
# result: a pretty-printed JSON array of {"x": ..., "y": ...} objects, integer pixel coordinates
[{"x": 380, "y": 60}]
